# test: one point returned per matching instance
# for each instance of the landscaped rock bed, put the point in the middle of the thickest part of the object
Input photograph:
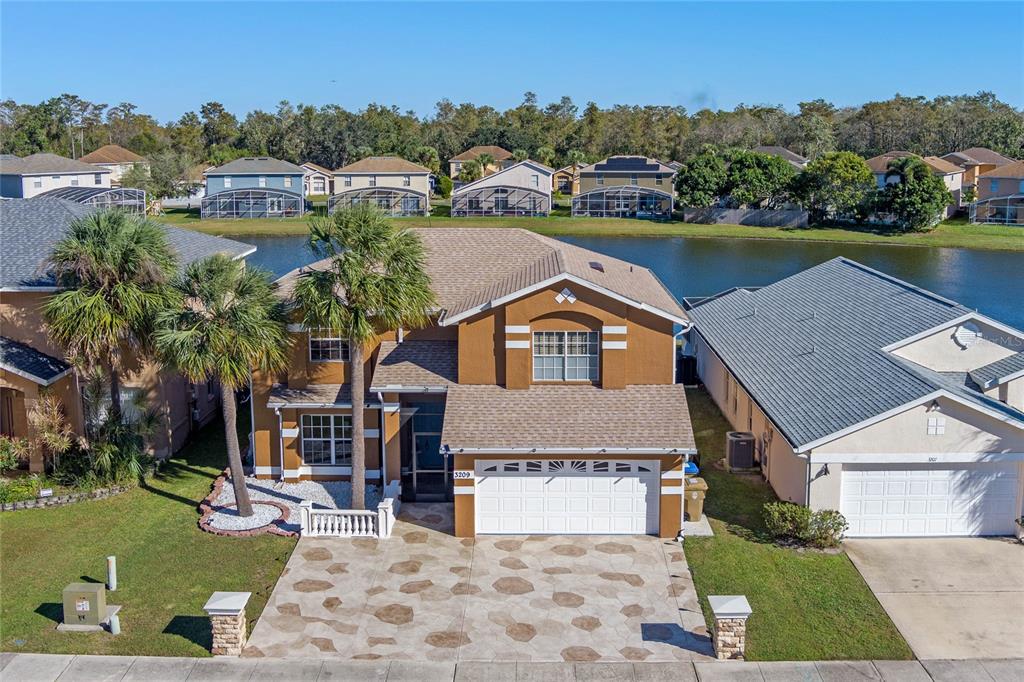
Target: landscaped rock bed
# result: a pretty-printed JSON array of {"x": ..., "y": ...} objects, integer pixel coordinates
[{"x": 275, "y": 504}]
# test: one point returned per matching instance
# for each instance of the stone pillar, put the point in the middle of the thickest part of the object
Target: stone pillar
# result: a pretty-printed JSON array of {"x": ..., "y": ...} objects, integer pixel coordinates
[
  {"x": 730, "y": 630},
  {"x": 227, "y": 620}
]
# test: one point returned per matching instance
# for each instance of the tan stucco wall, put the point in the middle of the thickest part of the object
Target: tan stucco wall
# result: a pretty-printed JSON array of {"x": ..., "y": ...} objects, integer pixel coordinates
[
  {"x": 588, "y": 181},
  {"x": 1004, "y": 187},
  {"x": 942, "y": 353},
  {"x": 419, "y": 183}
]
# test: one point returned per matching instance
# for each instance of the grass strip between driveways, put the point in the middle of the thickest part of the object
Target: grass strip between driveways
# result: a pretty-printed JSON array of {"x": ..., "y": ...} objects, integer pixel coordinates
[
  {"x": 806, "y": 605},
  {"x": 956, "y": 233},
  {"x": 167, "y": 567}
]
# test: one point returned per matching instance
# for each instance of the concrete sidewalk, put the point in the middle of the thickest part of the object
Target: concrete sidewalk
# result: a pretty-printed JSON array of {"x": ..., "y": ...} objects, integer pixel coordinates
[{"x": 50, "y": 667}]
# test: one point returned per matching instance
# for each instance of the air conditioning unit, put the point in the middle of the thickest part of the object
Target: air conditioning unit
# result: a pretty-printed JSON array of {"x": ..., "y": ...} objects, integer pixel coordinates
[{"x": 739, "y": 449}]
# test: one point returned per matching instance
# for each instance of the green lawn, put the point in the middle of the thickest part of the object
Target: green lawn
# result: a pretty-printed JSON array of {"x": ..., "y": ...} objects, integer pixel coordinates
[
  {"x": 951, "y": 233},
  {"x": 167, "y": 567},
  {"x": 807, "y": 605}
]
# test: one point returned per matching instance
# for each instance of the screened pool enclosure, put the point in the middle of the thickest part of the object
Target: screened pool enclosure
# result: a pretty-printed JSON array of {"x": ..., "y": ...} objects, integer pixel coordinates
[
  {"x": 126, "y": 198},
  {"x": 391, "y": 200},
  {"x": 253, "y": 202},
  {"x": 623, "y": 201},
  {"x": 507, "y": 200}
]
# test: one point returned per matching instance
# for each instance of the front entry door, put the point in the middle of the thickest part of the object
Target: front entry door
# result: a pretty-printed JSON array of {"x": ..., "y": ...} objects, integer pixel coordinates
[{"x": 430, "y": 467}]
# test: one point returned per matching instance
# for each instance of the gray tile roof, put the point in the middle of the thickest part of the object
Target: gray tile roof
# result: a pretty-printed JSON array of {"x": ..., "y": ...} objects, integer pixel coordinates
[
  {"x": 28, "y": 362},
  {"x": 990, "y": 374},
  {"x": 257, "y": 164},
  {"x": 29, "y": 229},
  {"x": 808, "y": 349},
  {"x": 37, "y": 164},
  {"x": 552, "y": 417},
  {"x": 415, "y": 364}
]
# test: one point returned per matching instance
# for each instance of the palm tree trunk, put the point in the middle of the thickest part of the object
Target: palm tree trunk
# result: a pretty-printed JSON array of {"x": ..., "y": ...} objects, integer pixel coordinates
[
  {"x": 358, "y": 442},
  {"x": 230, "y": 409},
  {"x": 115, "y": 390}
]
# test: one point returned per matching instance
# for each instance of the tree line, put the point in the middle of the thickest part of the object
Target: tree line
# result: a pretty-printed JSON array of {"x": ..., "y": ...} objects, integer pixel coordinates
[{"x": 556, "y": 133}]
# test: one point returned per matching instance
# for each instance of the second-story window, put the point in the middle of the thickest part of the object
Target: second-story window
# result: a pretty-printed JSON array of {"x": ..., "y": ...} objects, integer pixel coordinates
[
  {"x": 406, "y": 181},
  {"x": 993, "y": 186},
  {"x": 326, "y": 346},
  {"x": 263, "y": 181},
  {"x": 634, "y": 180},
  {"x": 227, "y": 182},
  {"x": 658, "y": 180},
  {"x": 372, "y": 181},
  {"x": 565, "y": 356},
  {"x": 600, "y": 179},
  {"x": 287, "y": 181},
  {"x": 97, "y": 178}
]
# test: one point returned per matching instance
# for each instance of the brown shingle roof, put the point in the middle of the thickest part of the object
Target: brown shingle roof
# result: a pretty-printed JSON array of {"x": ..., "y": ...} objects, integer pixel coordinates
[
  {"x": 570, "y": 417},
  {"x": 941, "y": 165},
  {"x": 317, "y": 167},
  {"x": 472, "y": 266},
  {"x": 498, "y": 153},
  {"x": 313, "y": 395},
  {"x": 977, "y": 155},
  {"x": 1010, "y": 170},
  {"x": 880, "y": 163},
  {"x": 383, "y": 164},
  {"x": 792, "y": 157},
  {"x": 111, "y": 153},
  {"x": 416, "y": 364}
]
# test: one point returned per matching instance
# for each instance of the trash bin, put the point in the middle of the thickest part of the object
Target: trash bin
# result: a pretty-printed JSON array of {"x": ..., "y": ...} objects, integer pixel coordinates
[{"x": 693, "y": 493}]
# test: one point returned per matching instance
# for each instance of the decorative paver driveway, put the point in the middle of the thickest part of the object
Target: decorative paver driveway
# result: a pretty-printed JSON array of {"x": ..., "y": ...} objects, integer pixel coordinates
[{"x": 424, "y": 594}]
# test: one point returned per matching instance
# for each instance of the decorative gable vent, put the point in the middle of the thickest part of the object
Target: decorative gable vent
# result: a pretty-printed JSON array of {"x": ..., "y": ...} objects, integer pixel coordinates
[{"x": 565, "y": 295}]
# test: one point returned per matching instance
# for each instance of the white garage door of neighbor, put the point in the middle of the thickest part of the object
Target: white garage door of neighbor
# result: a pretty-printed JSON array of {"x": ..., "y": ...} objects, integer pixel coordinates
[
  {"x": 567, "y": 496},
  {"x": 929, "y": 499}
]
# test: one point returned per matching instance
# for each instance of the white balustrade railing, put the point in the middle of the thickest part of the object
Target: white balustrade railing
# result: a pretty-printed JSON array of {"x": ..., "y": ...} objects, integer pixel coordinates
[{"x": 352, "y": 523}]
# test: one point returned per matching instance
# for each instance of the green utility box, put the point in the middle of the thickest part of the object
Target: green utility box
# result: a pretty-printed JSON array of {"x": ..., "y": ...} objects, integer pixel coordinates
[{"x": 85, "y": 604}]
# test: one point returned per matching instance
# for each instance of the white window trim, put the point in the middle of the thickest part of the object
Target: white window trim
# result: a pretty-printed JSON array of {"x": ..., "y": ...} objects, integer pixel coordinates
[
  {"x": 936, "y": 426},
  {"x": 227, "y": 182},
  {"x": 332, "y": 439},
  {"x": 565, "y": 356},
  {"x": 317, "y": 335}
]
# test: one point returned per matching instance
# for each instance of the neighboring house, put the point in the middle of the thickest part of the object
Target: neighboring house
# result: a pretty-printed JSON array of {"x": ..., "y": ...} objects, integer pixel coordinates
[
  {"x": 318, "y": 180},
  {"x": 396, "y": 186},
  {"x": 502, "y": 159},
  {"x": 33, "y": 175},
  {"x": 625, "y": 187},
  {"x": 795, "y": 160},
  {"x": 1000, "y": 196},
  {"x": 567, "y": 180},
  {"x": 540, "y": 399},
  {"x": 115, "y": 159},
  {"x": 866, "y": 394},
  {"x": 952, "y": 176},
  {"x": 30, "y": 362},
  {"x": 254, "y": 187},
  {"x": 975, "y": 161},
  {"x": 523, "y": 189}
]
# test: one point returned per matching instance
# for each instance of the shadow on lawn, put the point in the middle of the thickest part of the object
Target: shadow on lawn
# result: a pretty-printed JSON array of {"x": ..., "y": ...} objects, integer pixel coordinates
[
  {"x": 195, "y": 629},
  {"x": 52, "y": 611}
]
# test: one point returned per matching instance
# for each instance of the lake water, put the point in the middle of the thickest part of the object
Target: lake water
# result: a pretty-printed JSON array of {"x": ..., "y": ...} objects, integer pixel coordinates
[{"x": 989, "y": 281}]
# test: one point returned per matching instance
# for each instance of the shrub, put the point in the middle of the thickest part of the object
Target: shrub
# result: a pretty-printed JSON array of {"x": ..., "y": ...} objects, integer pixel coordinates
[
  {"x": 20, "y": 489},
  {"x": 826, "y": 528},
  {"x": 13, "y": 451},
  {"x": 444, "y": 186},
  {"x": 787, "y": 520}
]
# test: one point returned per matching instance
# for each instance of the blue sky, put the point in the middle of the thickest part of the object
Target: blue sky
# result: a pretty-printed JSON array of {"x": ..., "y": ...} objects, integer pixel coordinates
[{"x": 169, "y": 58}]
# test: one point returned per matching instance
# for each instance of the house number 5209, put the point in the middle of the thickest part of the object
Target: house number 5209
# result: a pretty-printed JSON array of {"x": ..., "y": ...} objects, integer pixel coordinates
[{"x": 464, "y": 475}]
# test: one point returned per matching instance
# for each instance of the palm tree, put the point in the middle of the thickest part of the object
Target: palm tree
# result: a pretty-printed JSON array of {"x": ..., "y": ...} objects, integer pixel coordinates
[
  {"x": 227, "y": 320},
  {"x": 520, "y": 155},
  {"x": 471, "y": 170},
  {"x": 113, "y": 269},
  {"x": 375, "y": 282},
  {"x": 485, "y": 160}
]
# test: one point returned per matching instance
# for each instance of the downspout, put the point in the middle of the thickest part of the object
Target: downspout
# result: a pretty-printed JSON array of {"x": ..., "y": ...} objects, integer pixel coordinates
[
  {"x": 280, "y": 438},
  {"x": 383, "y": 449},
  {"x": 807, "y": 494}
]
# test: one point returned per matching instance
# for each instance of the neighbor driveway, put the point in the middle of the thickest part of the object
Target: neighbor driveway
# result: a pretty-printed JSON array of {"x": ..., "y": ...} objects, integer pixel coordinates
[
  {"x": 425, "y": 594},
  {"x": 949, "y": 597}
]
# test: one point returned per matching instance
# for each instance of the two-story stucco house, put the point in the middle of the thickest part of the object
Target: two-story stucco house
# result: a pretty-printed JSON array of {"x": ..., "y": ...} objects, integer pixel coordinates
[
  {"x": 540, "y": 400},
  {"x": 395, "y": 186},
  {"x": 625, "y": 187},
  {"x": 901, "y": 409},
  {"x": 24, "y": 178},
  {"x": 522, "y": 189},
  {"x": 952, "y": 176},
  {"x": 1000, "y": 196},
  {"x": 319, "y": 181},
  {"x": 502, "y": 159},
  {"x": 254, "y": 187},
  {"x": 975, "y": 161},
  {"x": 116, "y": 159},
  {"x": 30, "y": 362}
]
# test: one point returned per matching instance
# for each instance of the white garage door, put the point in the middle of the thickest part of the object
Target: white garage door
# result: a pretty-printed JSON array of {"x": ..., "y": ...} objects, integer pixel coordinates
[
  {"x": 567, "y": 496},
  {"x": 929, "y": 499}
]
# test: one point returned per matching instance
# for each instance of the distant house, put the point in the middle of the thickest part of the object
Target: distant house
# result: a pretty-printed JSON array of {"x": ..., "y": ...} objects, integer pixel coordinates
[
  {"x": 115, "y": 159},
  {"x": 318, "y": 180},
  {"x": 674, "y": 165},
  {"x": 1000, "y": 196},
  {"x": 567, "y": 180},
  {"x": 396, "y": 186},
  {"x": 254, "y": 187},
  {"x": 625, "y": 187},
  {"x": 975, "y": 161},
  {"x": 502, "y": 159},
  {"x": 24, "y": 178},
  {"x": 523, "y": 189},
  {"x": 795, "y": 160},
  {"x": 952, "y": 176}
]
